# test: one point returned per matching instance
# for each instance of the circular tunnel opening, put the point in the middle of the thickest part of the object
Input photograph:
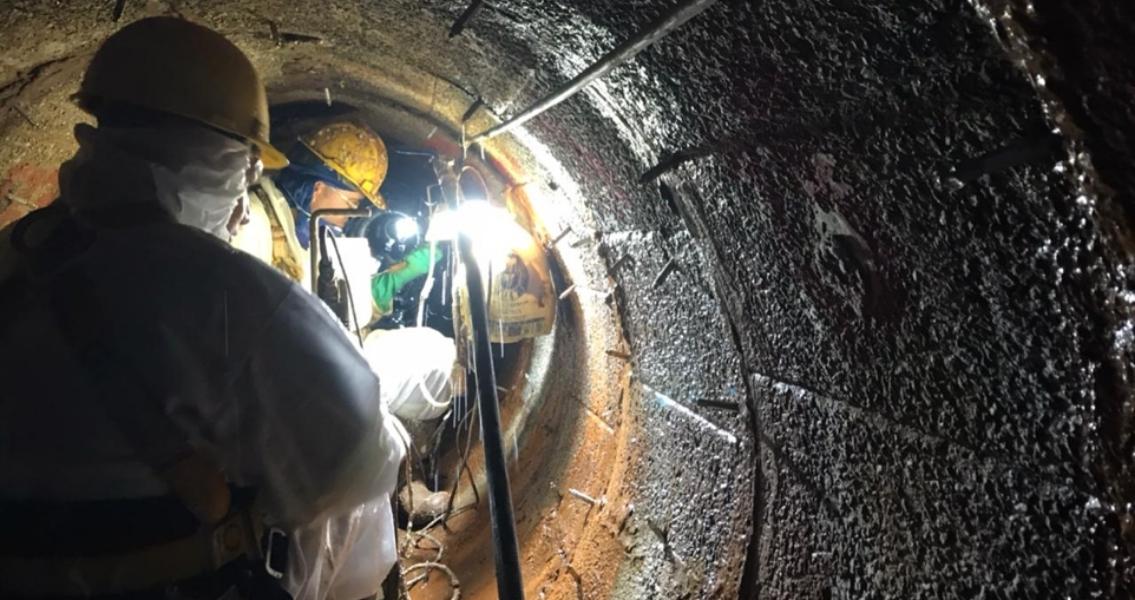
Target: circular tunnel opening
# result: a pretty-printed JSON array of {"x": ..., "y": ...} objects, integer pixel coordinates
[
  {"x": 563, "y": 396},
  {"x": 560, "y": 451}
]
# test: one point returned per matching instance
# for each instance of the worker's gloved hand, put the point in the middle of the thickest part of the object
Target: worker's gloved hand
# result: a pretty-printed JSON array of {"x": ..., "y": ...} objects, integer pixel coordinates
[
  {"x": 402, "y": 314},
  {"x": 386, "y": 285}
]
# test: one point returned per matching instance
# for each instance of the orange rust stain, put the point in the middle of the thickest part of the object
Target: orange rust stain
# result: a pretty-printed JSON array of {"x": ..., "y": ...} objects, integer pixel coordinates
[
  {"x": 25, "y": 188},
  {"x": 442, "y": 145},
  {"x": 569, "y": 548},
  {"x": 593, "y": 552}
]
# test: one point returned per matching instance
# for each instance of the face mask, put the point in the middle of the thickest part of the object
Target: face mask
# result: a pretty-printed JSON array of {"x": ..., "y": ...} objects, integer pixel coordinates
[
  {"x": 195, "y": 174},
  {"x": 302, "y": 227},
  {"x": 202, "y": 179},
  {"x": 202, "y": 195}
]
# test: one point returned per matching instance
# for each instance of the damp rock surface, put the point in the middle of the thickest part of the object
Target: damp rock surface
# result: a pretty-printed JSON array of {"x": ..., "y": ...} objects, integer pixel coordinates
[{"x": 932, "y": 367}]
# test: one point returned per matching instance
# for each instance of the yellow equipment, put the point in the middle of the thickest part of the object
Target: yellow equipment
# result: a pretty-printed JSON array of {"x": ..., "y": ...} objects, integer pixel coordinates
[
  {"x": 174, "y": 66},
  {"x": 521, "y": 298},
  {"x": 356, "y": 153}
]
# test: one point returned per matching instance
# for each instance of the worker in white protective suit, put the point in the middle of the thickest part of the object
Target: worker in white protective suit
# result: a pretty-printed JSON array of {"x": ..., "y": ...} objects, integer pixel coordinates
[
  {"x": 340, "y": 165},
  {"x": 178, "y": 420}
]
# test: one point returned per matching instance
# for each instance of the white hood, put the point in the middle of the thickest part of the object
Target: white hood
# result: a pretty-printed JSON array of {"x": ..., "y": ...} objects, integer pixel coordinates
[{"x": 195, "y": 174}]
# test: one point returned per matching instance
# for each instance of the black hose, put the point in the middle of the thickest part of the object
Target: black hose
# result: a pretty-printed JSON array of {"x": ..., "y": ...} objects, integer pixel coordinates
[{"x": 506, "y": 552}]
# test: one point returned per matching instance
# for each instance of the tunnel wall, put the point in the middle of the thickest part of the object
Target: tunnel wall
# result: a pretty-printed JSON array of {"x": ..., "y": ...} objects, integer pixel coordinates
[
  {"x": 939, "y": 374},
  {"x": 849, "y": 376}
]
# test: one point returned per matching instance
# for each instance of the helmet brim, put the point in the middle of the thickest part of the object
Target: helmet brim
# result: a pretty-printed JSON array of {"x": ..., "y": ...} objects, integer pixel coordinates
[{"x": 272, "y": 158}]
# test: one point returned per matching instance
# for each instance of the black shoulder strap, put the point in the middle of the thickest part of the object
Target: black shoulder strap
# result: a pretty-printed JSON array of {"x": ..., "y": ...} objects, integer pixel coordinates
[{"x": 127, "y": 395}]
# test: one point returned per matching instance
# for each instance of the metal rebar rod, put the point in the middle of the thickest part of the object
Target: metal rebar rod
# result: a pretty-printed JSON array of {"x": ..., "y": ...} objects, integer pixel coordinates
[
  {"x": 472, "y": 110},
  {"x": 585, "y": 497},
  {"x": 505, "y": 551},
  {"x": 660, "y": 28},
  {"x": 466, "y": 16}
]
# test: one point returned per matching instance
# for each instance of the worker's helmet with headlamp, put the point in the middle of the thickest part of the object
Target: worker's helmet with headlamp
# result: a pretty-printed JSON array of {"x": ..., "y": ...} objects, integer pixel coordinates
[
  {"x": 391, "y": 236},
  {"x": 355, "y": 153},
  {"x": 172, "y": 66}
]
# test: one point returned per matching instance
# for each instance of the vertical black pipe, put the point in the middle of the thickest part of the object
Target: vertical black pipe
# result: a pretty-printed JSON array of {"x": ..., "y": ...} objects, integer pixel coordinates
[{"x": 510, "y": 585}]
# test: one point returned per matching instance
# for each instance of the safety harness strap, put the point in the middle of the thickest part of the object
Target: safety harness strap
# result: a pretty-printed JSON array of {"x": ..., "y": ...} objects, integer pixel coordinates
[
  {"x": 47, "y": 242},
  {"x": 126, "y": 394},
  {"x": 284, "y": 257}
]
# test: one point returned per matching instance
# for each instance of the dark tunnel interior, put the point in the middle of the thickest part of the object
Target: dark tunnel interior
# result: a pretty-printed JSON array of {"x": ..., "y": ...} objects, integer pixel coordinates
[{"x": 847, "y": 291}]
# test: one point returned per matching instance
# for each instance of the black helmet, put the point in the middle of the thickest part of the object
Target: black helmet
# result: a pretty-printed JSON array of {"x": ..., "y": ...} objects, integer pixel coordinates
[{"x": 391, "y": 236}]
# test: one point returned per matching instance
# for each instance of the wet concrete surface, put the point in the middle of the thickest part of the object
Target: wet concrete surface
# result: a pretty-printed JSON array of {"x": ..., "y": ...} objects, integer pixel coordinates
[
  {"x": 932, "y": 383},
  {"x": 948, "y": 348}
]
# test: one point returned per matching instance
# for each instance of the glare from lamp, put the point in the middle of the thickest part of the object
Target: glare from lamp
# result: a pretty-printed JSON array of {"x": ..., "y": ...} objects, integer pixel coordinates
[
  {"x": 405, "y": 228},
  {"x": 492, "y": 230}
]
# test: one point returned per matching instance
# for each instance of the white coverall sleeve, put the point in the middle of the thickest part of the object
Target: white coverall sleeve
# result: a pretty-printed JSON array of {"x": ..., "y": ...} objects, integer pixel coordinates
[
  {"x": 317, "y": 440},
  {"x": 415, "y": 365}
]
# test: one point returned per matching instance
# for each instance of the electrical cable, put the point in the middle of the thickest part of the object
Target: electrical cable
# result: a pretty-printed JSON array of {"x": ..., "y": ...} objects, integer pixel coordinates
[
  {"x": 506, "y": 549},
  {"x": 481, "y": 178},
  {"x": 428, "y": 286}
]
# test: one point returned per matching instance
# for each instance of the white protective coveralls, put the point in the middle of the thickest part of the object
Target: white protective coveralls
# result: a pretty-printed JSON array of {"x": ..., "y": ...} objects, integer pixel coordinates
[
  {"x": 257, "y": 373},
  {"x": 418, "y": 363}
]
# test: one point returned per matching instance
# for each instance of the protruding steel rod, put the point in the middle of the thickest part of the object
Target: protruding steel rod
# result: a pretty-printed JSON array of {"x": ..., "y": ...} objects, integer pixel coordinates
[
  {"x": 463, "y": 20},
  {"x": 660, "y": 28},
  {"x": 472, "y": 110}
]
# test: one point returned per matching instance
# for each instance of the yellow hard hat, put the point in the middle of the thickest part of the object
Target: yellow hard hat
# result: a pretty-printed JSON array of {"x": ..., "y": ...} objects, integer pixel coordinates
[
  {"x": 170, "y": 65},
  {"x": 356, "y": 153}
]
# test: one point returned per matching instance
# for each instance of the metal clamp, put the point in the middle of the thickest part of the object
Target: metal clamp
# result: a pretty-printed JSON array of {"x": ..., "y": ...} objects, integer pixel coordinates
[{"x": 270, "y": 541}]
